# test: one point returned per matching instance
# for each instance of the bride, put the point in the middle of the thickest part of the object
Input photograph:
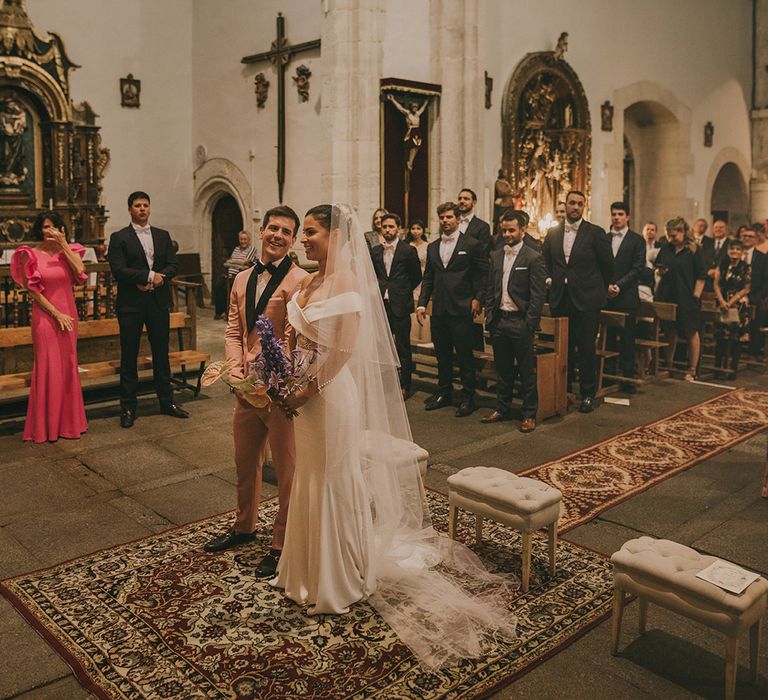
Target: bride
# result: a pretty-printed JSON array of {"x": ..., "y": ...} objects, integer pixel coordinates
[{"x": 357, "y": 525}]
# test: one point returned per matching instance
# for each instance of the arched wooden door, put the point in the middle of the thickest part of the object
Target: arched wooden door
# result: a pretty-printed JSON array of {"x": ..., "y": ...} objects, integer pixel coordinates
[{"x": 226, "y": 224}]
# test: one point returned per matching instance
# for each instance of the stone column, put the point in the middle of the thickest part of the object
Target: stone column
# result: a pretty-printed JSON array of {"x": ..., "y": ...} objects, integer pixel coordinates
[
  {"x": 456, "y": 144},
  {"x": 759, "y": 179},
  {"x": 351, "y": 65}
]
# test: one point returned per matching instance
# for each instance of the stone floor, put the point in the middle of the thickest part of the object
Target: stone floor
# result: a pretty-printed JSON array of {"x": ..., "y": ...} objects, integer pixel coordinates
[{"x": 64, "y": 500}]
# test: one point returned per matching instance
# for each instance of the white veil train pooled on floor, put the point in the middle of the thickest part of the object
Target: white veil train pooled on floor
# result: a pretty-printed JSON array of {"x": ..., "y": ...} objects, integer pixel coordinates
[{"x": 434, "y": 592}]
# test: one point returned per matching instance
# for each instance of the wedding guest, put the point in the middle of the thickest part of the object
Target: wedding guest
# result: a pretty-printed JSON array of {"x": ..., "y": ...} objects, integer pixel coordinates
[
  {"x": 560, "y": 212},
  {"x": 48, "y": 271},
  {"x": 266, "y": 288},
  {"x": 732, "y": 286},
  {"x": 757, "y": 263},
  {"x": 397, "y": 268},
  {"x": 243, "y": 255},
  {"x": 514, "y": 296},
  {"x": 629, "y": 251},
  {"x": 417, "y": 237},
  {"x": 143, "y": 261},
  {"x": 681, "y": 282},
  {"x": 373, "y": 237},
  {"x": 762, "y": 238},
  {"x": 470, "y": 224},
  {"x": 454, "y": 280},
  {"x": 714, "y": 255},
  {"x": 699, "y": 230},
  {"x": 579, "y": 265}
]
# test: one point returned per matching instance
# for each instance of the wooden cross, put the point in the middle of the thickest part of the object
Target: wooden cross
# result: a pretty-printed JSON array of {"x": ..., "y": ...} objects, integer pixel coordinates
[{"x": 279, "y": 56}]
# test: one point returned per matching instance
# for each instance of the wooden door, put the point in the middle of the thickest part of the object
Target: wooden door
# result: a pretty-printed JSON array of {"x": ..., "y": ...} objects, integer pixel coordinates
[{"x": 226, "y": 224}]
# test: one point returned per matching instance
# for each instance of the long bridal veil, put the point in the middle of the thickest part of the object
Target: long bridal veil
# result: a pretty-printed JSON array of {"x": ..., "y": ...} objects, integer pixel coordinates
[{"x": 434, "y": 592}]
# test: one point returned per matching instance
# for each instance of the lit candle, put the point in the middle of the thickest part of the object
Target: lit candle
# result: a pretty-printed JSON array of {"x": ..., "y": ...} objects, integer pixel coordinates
[{"x": 50, "y": 203}]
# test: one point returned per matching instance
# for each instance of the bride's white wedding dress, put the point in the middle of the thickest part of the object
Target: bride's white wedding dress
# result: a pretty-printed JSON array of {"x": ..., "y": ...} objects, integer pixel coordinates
[{"x": 329, "y": 542}]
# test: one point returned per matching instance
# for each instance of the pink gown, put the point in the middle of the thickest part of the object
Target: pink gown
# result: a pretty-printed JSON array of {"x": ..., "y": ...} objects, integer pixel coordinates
[{"x": 55, "y": 406}]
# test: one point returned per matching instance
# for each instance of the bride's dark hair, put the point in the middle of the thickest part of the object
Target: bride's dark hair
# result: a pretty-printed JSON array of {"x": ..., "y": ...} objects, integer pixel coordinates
[{"x": 322, "y": 213}]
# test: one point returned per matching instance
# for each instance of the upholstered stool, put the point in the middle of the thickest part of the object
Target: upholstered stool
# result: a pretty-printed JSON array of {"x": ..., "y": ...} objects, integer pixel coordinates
[
  {"x": 401, "y": 453},
  {"x": 521, "y": 503},
  {"x": 664, "y": 573}
]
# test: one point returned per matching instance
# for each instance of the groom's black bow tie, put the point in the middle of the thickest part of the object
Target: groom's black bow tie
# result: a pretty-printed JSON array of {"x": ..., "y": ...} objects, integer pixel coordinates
[{"x": 260, "y": 267}]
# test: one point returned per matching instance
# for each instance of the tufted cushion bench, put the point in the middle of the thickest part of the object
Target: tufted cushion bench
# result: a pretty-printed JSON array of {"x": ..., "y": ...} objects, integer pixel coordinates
[
  {"x": 664, "y": 573},
  {"x": 517, "y": 501},
  {"x": 401, "y": 453}
]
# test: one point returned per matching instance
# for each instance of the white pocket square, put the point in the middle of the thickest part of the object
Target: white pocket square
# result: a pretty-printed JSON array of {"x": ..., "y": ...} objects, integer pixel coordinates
[
  {"x": 462, "y": 252},
  {"x": 521, "y": 268}
]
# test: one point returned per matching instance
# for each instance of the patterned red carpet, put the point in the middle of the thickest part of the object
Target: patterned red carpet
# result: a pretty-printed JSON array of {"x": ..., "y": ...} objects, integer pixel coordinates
[
  {"x": 603, "y": 475},
  {"x": 159, "y": 618}
]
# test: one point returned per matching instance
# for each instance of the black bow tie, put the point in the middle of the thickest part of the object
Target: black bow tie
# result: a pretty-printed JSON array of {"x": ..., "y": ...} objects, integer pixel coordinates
[{"x": 260, "y": 267}]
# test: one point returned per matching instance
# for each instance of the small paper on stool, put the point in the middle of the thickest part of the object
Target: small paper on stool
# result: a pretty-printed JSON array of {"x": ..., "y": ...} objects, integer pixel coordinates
[
  {"x": 617, "y": 401},
  {"x": 728, "y": 576}
]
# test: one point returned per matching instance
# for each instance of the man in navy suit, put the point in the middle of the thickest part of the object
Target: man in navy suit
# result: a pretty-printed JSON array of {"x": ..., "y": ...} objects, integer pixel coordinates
[
  {"x": 398, "y": 270},
  {"x": 628, "y": 250},
  {"x": 454, "y": 280},
  {"x": 143, "y": 261},
  {"x": 514, "y": 296},
  {"x": 580, "y": 266}
]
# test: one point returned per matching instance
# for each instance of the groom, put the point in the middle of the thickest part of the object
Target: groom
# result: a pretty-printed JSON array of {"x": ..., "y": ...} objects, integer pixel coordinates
[{"x": 265, "y": 289}]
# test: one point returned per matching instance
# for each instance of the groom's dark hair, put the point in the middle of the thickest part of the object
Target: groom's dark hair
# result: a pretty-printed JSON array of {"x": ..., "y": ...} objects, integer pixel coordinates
[{"x": 286, "y": 212}]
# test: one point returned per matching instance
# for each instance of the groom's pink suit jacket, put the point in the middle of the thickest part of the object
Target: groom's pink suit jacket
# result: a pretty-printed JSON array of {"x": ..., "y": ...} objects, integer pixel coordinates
[{"x": 251, "y": 432}]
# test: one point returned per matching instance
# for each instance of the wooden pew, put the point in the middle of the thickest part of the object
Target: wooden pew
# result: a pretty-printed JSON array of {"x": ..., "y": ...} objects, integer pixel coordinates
[
  {"x": 608, "y": 319},
  {"x": 651, "y": 314}
]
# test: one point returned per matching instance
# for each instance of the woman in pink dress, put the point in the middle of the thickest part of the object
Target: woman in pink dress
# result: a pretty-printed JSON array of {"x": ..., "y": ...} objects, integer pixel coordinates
[{"x": 48, "y": 272}]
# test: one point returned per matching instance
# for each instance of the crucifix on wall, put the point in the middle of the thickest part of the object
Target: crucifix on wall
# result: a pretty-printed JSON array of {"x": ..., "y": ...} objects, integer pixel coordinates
[{"x": 279, "y": 56}]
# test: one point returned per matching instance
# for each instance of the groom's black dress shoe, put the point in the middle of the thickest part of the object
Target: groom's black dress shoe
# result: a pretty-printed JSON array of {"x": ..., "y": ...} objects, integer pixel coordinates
[
  {"x": 227, "y": 540},
  {"x": 127, "y": 417},
  {"x": 437, "y": 402},
  {"x": 466, "y": 408},
  {"x": 171, "y": 409},
  {"x": 267, "y": 568}
]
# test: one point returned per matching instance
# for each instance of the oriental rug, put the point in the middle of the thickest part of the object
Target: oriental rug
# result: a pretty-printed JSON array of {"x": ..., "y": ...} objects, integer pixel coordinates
[
  {"x": 603, "y": 475},
  {"x": 159, "y": 618}
]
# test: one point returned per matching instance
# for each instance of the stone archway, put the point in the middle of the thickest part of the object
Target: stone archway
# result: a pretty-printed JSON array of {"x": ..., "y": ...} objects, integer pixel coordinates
[
  {"x": 729, "y": 199},
  {"x": 546, "y": 133}
]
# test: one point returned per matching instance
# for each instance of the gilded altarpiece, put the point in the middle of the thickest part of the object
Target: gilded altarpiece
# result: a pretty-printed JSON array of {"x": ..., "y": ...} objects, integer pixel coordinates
[
  {"x": 51, "y": 155},
  {"x": 546, "y": 134}
]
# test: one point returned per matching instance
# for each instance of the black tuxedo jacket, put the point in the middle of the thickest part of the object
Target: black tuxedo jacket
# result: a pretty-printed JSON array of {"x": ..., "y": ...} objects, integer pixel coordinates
[
  {"x": 758, "y": 278},
  {"x": 452, "y": 288},
  {"x": 129, "y": 266},
  {"x": 628, "y": 266},
  {"x": 404, "y": 276},
  {"x": 481, "y": 232},
  {"x": 527, "y": 285},
  {"x": 588, "y": 271}
]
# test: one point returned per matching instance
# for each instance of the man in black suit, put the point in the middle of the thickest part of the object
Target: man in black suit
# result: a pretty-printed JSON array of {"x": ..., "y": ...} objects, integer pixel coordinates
[
  {"x": 628, "y": 250},
  {"x": 399, "y": 272},
  {"x": 470, "y": 224},
  {"x": 714, "y": 254},
  {"x": 143, "y": 261},
  {"x": 454, "y": 279},
  {"x": 758, "y": 290},
  {"x": 514, "y": 295},
  {"x": 580, "y": 265}
]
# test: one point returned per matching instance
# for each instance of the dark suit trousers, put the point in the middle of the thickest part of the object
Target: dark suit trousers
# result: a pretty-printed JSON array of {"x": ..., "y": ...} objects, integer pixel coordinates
[
  {"x": 756, "y": 338},
  {"x": 513, "y": 353},
  {"x": 401, "y": 331},
  {"x": 158, "y": 329},
  {"x": 624, "y": 340},
  {"x": 582, "y": 335},
  {"x": 449, "y": 332}
]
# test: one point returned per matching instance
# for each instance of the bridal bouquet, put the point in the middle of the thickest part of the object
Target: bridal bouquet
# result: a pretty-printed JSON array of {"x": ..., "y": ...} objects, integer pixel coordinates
[{"x": 271, "y": 379}]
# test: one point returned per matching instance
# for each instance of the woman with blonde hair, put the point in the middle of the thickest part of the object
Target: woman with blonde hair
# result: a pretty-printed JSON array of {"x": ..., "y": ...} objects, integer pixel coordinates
[{"x": 681, "y": 281}]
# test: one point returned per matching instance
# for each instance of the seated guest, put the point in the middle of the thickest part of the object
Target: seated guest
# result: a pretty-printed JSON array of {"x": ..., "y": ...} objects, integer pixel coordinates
[
  {"x": 731, "y": 289},
  {"x": 243, "y": 256},
  {"x": 48, "y": 271},
  {"x": 373, "y": 237},
  {"x": 681, "y": 281},
  {"x": 629, "y": 253},
  {"x": 757, "y": 263},
  {"x": 398, "y": 270},
  {"x": 514, "y": 295}
]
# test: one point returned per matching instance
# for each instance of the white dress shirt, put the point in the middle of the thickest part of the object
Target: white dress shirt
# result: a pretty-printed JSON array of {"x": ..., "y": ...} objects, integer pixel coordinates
[
  {"x": 747, "y": 256},
  {"x": 447, "y": 246},
  {"x": 389, "y": 254},
  {"x": 569, "y": 236},
  {"x": 616, "y": 238},
  {"x": 144, "y": 234},
  {"x": 510, "y": 255},
  {"x": 464, "y": 222},
  {"x": 264, "y": 277}
]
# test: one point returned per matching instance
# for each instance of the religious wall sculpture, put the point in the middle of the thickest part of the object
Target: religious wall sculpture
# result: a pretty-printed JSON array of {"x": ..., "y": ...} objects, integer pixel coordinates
[
  {"x": 301, "y": 80},
  {"x": 51, "y": 156},
  {"x": 546, "y": 132}
]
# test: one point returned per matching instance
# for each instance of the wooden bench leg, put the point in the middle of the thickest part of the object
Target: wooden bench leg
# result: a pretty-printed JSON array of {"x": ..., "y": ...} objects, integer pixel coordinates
[
  {"x": 618, "y": 612},
  {"x": 642, "y": 614},
  {"x": 552, "y": 530},
  {"x": 731, "y": 666},
  {"x": 526, "y": 558},
  {"x": 755, "y": 633},
  {"x": 453, "y": 520},
  {"x": 478, "y": 528}
]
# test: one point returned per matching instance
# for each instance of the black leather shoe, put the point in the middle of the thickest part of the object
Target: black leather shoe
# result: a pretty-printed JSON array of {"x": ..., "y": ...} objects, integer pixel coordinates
[
  {"x": 587, "y": 405},
  {"x": 127, "y": 418},
  {"x": 466, "y": 408},
  {"x": 628, "y": 388},
  {"x": 437, "y": 402},
  {"x": 227, "y": 540},
  {"x": 171, "y": 409},
  {"x": 267, "y": 568}
]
